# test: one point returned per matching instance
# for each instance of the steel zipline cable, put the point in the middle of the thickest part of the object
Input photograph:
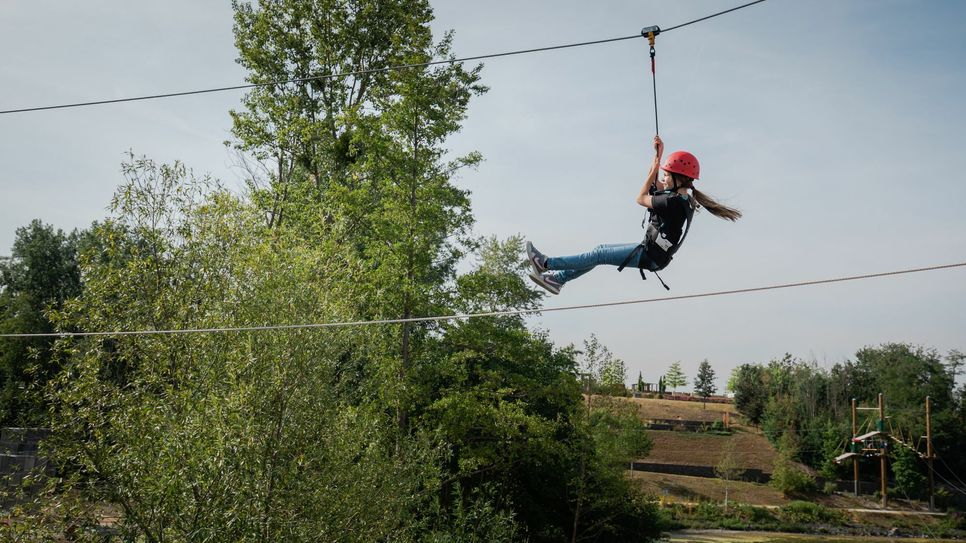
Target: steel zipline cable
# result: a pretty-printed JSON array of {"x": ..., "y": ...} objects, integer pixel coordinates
[
  {"x": 515, "y": 312},
  {"x": 361, "y": 72}
]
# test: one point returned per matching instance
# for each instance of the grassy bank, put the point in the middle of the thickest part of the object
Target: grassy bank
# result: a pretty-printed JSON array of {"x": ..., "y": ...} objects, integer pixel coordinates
[{"x": 812, "y": 518}]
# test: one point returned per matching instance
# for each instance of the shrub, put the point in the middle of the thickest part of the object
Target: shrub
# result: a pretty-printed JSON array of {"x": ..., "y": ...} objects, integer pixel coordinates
[
  {"x": 709, "y": 511},
  {"x": 754, "y": 515},
  {"x": 791, "y": 479},
  {"x": 800, "y": 512}
]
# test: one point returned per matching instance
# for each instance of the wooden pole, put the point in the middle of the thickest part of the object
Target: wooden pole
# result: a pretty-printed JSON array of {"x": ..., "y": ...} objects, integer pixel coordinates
[
  {"x": 883, "y": 477},
  {"x": 932, "y": 499},
  {"x": 855, "y": 459}
]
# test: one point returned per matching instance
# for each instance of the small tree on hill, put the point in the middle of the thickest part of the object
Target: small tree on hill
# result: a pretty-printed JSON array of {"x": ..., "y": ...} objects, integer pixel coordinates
[
  {"x": 727, "y": 469},
  {"x": 674, "y": 377},
  {"x": 640, "y": 382},
  {"x": 704, "y": 382}
]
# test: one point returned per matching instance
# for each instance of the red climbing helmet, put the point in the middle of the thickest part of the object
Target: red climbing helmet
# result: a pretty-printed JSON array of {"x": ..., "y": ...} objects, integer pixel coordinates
[{"x": 682, "y": 162}]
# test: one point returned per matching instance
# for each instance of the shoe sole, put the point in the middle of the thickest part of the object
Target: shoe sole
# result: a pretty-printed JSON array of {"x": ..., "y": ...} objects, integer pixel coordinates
[{"x": 552, "y": 289}]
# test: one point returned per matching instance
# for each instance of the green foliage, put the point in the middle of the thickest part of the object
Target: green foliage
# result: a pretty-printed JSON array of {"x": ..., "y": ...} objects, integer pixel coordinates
[
  {"x": 907, "y": 469},
  {"x": 833, "y": 444},
  {"x": 751, "y": 394},
  {"x": 294, "y": 435},
  {"x": 790, "y": 395},
  {"x": 728, "y": 469},
  {"x": 222, "y": 437},
  {"x": 713, "y": 515},
  {"x": 474, "y": 520},
  {"x": 606, "y": 372},
  {"x": 809, "y": 513},
  {"x": 789, "y": 478},
  {"x": 42, "y": 274},
  {"x": 36, "y": 510},
  {"x": 704, "y": 382},
  {"x": 674, "y": 377}
]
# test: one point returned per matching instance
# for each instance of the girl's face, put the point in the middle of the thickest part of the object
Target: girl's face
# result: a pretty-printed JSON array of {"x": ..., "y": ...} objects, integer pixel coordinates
[{"x": 665, "y": 182}]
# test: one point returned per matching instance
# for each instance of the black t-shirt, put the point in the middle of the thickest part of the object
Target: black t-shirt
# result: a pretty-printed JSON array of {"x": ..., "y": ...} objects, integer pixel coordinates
[{"x": 673, "y": 209}]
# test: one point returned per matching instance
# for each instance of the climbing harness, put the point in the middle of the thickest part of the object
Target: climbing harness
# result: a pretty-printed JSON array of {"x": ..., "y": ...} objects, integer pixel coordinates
[{"x": 656, "y": 242}]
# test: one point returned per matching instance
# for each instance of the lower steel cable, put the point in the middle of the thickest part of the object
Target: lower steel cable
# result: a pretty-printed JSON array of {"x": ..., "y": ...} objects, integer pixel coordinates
[{"x": 490, "y": 313}]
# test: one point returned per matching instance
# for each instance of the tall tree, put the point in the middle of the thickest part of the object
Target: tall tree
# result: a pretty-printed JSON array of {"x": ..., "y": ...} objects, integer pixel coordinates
[
  {"x": 358, "y": 162},
  {"x": 607, "y": 372},
  {"x": 751, "y": 392},
  {"x": 41, "y": 275},
  {"x": 302, "y": 134},
  {"x": 704, "y": 382},
  {"x": 674, "y": 377}
]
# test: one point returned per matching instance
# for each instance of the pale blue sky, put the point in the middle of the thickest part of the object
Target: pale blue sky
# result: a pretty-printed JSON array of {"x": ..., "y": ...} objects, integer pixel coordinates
[{"x": 834, "y": 125}]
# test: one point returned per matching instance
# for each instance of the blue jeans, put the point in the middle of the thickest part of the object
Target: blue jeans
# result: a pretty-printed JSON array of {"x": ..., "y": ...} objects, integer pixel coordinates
[{"x": 567, "y": 268}]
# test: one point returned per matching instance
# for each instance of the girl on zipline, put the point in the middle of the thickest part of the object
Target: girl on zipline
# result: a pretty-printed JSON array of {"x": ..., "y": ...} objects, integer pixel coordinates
[{"x": 671, "y": 208}]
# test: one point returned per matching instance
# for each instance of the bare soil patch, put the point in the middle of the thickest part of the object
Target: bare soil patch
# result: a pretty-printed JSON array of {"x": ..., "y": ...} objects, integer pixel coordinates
[
  {"x": 751, "y": 451},
  {"x": 651, "y": 409}
]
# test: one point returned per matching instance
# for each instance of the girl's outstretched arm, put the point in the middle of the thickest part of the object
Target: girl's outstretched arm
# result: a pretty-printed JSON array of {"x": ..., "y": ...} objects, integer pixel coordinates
[{"x": 644, "y": 198}]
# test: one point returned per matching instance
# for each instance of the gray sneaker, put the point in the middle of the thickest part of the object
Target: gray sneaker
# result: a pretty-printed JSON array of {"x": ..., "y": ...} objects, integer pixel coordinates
[
  {"x": 547, "y": 282},
  {"x": 538, "y": 260}
]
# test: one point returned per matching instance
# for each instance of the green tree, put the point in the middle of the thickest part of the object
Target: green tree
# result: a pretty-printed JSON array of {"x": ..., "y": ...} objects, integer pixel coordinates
[
  {"x": 604, "y": 505},
  {"x": 728, "y": 469},
  {"x": 607, "y": 372},
  {"x": 304, "y": 137},
  {"x": 751, "y": 394},
  {"x": 674, "y": 377},
  {"x": 41, "y": 275},
  {"x": 222, "y": 437},
  {"x": 358, "y": 161},
  {"x": 787, "y": 476},
  {"x": 704, "y": 382},
  {"x": 835, "y": 439},
  {"x": 640, "y": 382},
  {"x": 906, "y": 469}
]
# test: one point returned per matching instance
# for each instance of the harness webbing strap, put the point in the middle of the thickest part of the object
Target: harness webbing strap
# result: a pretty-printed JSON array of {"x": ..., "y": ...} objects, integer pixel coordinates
[
  {"x": 650, "y": 39},
  {"x": 630, "y": 256},
  {"x": 642, "y": 246}
]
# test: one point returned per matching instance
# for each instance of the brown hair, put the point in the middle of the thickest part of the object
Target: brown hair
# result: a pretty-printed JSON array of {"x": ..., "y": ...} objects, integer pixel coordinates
[{"x": 703, "y": 200}]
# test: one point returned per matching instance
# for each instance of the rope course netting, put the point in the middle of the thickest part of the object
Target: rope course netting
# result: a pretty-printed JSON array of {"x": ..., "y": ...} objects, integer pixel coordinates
[
  {"x": 440, "y": 318},
  {"x": 366, "y": 71}
]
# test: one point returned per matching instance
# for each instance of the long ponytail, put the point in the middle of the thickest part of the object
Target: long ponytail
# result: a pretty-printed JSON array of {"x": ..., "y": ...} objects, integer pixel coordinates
[{"x": 713, "y": 206}]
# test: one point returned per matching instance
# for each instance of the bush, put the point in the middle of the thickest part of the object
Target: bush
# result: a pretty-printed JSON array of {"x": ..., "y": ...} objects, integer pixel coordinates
[
  {"x": 799, "y": 512},
  {"x": 791, "y": 479},
  {"x": 754, "y": 515},
  {"x": 712, "y": 515},
  {"x": 709, "y": 511}
]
